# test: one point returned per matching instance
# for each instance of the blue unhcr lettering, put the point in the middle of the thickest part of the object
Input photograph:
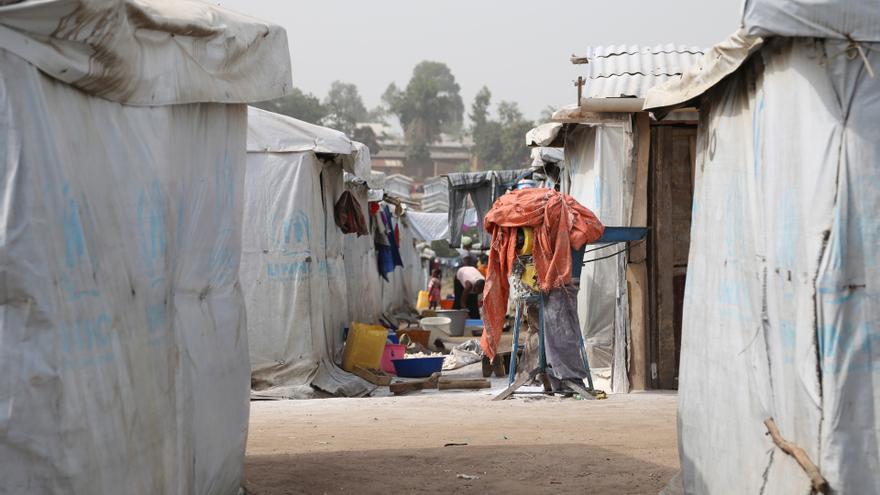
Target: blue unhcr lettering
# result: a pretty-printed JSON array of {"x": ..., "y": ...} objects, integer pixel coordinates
[{"x": 286, "y": 272}]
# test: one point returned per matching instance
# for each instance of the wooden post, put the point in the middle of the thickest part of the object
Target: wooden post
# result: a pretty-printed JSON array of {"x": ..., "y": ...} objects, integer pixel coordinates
[
  {"x": 636, "y": 272},
  {"x": 580, "y": 86},
  {"x": 663, "y": 259}
]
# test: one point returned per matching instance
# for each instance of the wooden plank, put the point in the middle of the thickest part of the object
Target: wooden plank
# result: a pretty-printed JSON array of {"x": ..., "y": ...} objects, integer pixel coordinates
[
  {"x": 664, "y": 257},
  {"x": 637, "y": 280},
  {"x": 519, "y": 382},
  {"x": 406, "y": 387},
  {"x": 579, "y": 388},
  {"x": 470, "y": 384},
  {"x": 382, "y": 380},
  {"x": 636, "y": 273},
  {"x": 671, "y": 196}
]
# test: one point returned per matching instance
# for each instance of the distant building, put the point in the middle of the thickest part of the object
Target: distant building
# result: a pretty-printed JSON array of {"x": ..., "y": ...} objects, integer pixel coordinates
[
  {"x": 399, "y": 185},
  {"x": 447, "y": 155}
]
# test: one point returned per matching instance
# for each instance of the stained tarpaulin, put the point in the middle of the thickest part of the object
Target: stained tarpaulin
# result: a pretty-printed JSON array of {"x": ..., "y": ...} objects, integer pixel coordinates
[
  {"x": 600, "y": 171},
  {"x": 780, "y": 312},
  {"x": 857, "y": 20},
  {"x": 123, "y": 353},
  {"x": 292, "y": 270},
  {"x": 150, "y": 52}
]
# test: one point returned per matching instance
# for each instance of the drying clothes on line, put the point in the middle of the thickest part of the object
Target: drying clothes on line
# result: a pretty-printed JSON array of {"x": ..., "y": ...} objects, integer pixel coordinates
[
  {"x": 483, "y": 188},
  {"x": 561, "y": 224},
  {"x": 348, "y": 215},
  {"x": 386, "y": 240}
]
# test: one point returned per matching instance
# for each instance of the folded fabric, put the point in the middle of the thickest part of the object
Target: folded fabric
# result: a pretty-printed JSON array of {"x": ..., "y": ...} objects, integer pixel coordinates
[{"x": 561, "y": 225}]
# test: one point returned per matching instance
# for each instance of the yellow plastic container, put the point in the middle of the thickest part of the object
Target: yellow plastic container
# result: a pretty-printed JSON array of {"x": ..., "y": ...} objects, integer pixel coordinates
[
  {"x": 529, "y": 241},
  {"x": 364, "y": 346},
  {"x": 422, "y": 302}
]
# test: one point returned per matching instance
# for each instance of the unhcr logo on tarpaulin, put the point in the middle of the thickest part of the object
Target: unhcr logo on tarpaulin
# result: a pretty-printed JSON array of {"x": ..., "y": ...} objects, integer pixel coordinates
[{"x": 290, "y": 235}]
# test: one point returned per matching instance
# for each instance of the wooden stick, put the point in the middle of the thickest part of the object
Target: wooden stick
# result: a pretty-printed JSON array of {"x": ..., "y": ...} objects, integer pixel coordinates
[
  {"x": 799, "y": 454},
  {"x": 474, "y": 383},
  {"x": 407, "y": 387}
]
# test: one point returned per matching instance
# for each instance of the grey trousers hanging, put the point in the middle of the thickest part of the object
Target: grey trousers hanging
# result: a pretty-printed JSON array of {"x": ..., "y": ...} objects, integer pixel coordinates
[
  {"x": 477, "y": 186},
  {"x": 483, "y": 188}
]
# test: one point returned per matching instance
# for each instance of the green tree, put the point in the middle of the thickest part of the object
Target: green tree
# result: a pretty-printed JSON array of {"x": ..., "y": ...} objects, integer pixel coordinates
[
  {"x": 429, "y": 105},
  {"x": 547, "y": 114},
  {"x": 297, "y": 104},
  {"x": 344, "y": 107},
  {"x": 480, "y": 108},
  {"x": 499, "y": 144},
  {"x": 515, "y": 153},
  {"x": 366, "y": 135}
]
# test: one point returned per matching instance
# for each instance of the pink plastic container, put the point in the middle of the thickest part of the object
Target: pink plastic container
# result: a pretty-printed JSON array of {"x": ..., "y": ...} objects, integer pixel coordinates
[{"x": 392, "y": 351}]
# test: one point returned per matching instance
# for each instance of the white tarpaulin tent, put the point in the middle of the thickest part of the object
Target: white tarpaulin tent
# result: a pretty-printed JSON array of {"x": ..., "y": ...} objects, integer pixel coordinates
[
  {"x": 374, "y": 296},
  {"x": 123, "y": 354},
  {"x": 599, "y": 174},
  {"x": 292, "y": 269},
  {"x": 781, "y": 313}
]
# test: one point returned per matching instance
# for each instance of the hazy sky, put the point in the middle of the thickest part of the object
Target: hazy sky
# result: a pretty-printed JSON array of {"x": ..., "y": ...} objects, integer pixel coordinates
[{"x": 520, "y": 49}]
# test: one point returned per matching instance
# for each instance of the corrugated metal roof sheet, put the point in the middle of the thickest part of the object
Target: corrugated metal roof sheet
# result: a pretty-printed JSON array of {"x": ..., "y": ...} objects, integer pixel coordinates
[{"x": 615, "y": 71}]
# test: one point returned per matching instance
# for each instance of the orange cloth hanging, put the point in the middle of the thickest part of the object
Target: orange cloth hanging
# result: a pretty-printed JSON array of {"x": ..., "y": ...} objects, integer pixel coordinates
[{"x": 561, "y": 225}]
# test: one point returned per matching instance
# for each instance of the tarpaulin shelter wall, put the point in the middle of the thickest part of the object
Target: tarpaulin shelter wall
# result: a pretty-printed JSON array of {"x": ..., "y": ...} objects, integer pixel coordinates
[
  {"x": 781, "y": 312},
  {"x": 599, "y": 173},
  {"x": 293, "y": 274},
  {"x": 363, "y": 283},
  {"x": 404, "y": 283},
  {"x": 376, "y": 296},
  {"x": 123, "y": 353}
]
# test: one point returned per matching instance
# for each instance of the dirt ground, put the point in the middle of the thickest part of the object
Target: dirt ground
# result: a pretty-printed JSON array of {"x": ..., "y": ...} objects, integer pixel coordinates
[{"x": 623, "y": 445}]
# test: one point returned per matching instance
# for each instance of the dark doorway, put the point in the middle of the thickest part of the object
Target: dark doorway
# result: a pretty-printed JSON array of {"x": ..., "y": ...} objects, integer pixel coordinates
[{"x": 670, "y": 200}]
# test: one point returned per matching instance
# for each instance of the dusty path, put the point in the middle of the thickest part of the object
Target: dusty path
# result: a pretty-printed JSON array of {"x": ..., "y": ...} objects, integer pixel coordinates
[{"x": 625, "y": 444}]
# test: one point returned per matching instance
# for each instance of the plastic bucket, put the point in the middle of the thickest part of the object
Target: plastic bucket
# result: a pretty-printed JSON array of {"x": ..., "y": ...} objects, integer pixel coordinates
[
  {"x": 418, "y": 367},
  {"x": 392, "y": 351},
  {"x": 437, "y": 325},
  {"x": 364, "y": 346},
  {"x": 446, "y": 303},
  {"x": 458, "y": 317}
]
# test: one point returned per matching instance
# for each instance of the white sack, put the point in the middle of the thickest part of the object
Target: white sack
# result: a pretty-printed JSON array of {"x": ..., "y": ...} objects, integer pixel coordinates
[
  {"x": 780, "y": 312},
  {"x": 123, "y": 356}
]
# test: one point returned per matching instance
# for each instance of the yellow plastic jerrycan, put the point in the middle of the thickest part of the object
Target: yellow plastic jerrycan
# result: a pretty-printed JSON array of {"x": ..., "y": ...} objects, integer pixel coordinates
[
  {"x": 364, "y": 346},
  {"x": 422, "y": 302}
]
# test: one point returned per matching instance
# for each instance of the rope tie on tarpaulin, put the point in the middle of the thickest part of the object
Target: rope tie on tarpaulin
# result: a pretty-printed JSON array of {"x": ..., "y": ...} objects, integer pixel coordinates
[{"x": 855, "y": 50}]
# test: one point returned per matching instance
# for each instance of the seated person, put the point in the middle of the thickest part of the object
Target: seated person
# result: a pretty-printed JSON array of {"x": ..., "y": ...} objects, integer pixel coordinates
[{"x": 469, "y": 284}]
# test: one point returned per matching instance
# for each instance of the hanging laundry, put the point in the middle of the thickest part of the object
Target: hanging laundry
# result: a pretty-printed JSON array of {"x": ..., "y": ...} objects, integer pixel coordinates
[
  {"x": 393, "y": 237},
  {"x": 348, "y": 215},
  {"x": 561, "y": 224},
  {"x": 385, "y": 241},
  {"x": 483, "y": 188}
]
